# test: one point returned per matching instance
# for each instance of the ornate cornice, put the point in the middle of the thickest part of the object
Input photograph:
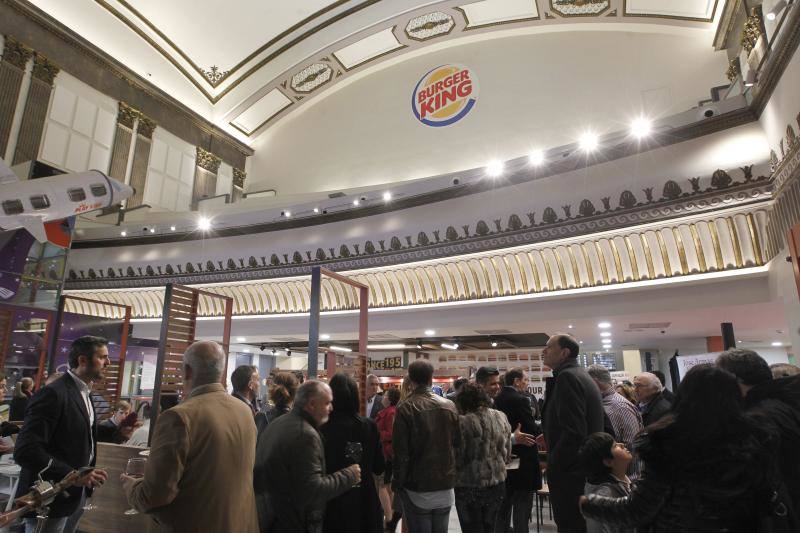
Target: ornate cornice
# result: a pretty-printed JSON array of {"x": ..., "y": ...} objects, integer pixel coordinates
[
  {"x": 44, "y": 69},
  {"x": 126, "y": 115},
  {"x": 208, "y": 161},
  {"x": 239, "y": 176},
  {"x": 146, "y": 126},
  {"x": 751, "y": 31},
  {"x": 16, "y": 53},
  {"x": 480, "y": 236}
]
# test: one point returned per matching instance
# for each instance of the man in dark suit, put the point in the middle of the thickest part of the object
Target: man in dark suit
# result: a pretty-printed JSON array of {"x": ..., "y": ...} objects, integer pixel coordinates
[
  {"x": 521, "y": 483},
  {"x": 573, "y": 410},
  {"x": 374, "y": 396},
  {"x": 60, "y": 435},
  {"x": 652, "y": 403}
]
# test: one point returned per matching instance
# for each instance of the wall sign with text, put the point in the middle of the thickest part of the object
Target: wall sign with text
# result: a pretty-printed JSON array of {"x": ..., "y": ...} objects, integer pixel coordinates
[{"x": 444, "y": 95}]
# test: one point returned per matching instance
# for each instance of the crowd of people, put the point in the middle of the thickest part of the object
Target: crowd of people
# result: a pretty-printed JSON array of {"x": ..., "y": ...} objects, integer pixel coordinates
[{"x": 719, "y": 456}]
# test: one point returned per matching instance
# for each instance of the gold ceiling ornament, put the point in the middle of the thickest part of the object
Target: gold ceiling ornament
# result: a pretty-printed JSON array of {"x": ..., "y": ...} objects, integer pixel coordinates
[
  {"x": 239, "y": 176},
  {"x": 429, "y": 26},
  {"x": 214, "y": 75},
  {"x": 208, "y": 161},
  {"x": 312, "y": 77},
  {"x": 44, "y": 69},
  {"x": 579, "y": 8},
  {"x": 146, "y": 126},
  {"x": 733, "y": 71},
  {"x": 751, "y": 31},
  {"x": 126, "y": 115},
  {"x": 16, "y": 53}
]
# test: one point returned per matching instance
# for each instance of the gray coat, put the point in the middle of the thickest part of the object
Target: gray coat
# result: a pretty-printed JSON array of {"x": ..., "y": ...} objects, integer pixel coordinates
[
  {"x": 291, "y": 482},
  {"x": 484, "y": 447}
]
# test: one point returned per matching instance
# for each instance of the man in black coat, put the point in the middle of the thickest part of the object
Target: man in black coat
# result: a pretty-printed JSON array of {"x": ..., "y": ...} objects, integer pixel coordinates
[
  {"x": 776, "y": 404},
  {"x": 521, "y": 483},
  {"x": 572, "y": 411},
  {"x": 650, "y": 395},
  {"x": 60, "y": 434}
]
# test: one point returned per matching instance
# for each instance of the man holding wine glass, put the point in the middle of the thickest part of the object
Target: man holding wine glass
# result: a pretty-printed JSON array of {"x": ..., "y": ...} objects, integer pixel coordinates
[{"x": 204, "y": 445}]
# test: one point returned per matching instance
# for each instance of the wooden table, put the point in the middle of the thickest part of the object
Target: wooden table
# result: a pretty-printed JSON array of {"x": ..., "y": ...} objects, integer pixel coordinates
[{"x": 109, "y": 500}]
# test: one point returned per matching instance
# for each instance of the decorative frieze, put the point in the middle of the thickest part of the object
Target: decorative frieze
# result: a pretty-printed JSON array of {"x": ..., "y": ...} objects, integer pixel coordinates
[{"x": 208, "y": 161}]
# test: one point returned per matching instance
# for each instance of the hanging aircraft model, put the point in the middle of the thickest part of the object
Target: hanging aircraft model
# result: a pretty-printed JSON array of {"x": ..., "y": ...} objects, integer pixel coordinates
[{"x": 31, "y": 203}]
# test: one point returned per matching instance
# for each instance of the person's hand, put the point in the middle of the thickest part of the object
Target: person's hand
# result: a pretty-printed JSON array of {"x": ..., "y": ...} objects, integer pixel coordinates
[
  {"x": 523, "y": 438},
  {"x": 581, "y": 501},
  {"x": 94, "y": 479},
  {"x": 356, "y": 471}
]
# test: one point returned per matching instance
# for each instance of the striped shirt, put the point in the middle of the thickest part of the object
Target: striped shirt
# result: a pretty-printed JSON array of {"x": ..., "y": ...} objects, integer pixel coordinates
[{"x": 627, "y": 423}]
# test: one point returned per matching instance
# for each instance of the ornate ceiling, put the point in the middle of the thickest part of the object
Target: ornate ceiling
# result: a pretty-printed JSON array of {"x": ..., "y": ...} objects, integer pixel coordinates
[{"x": 246, "y": 64}]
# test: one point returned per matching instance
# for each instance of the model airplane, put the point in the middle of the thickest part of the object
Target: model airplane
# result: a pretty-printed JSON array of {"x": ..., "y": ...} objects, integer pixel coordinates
[{"x": 30, "y": 204}]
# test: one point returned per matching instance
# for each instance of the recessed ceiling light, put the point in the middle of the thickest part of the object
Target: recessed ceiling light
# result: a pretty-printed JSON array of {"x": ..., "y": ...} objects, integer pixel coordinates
[
  {"x": 494, "y": 344},
  {"x": 777, "y": 343},
  {"x": 641, "y": 127},
  {"x": 605, "y": 333},
  {"x": 123, "y": 233},
  {"x": 604, "y": 325},
  {"x": 387, "y": 196},
  {"x": 152, "y": 230},
  {"x": 241, "y": 339},
  {"x": 581, "y": 342},
  {"x": 453, "y": 346},
  {"x": 316, "y": 209},
  {"x": 536, "y": 157},
  {"x": 419, "y": 346},
  {"x": 172, "y": 228},
  {"x": 287, "y": 213},
  {"x": 430, "y": 332},
  {"x": 325, "y": 336},
  {"x": 570, "y": 326},
  {"x": 588, "y": 141},
  {"x": 494, "y": 168},
  {"x": 771, "y": 16},
  {"x": 204, "y": 223},
  {"x": 356, "y": 202}
]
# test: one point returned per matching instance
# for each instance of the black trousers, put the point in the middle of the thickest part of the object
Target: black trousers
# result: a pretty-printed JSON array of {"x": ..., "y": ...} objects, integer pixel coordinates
[
  {"x": 565, "y": 491},
  {"x": 516, "y": 508}
]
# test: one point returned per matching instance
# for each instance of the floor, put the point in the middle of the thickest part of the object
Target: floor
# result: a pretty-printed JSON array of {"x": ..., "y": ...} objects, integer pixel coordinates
[{"x": 548, "y": 527}]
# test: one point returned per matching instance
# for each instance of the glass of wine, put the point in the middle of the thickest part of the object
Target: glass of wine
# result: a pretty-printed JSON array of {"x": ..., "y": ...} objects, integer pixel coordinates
[
  {"x": 354, "y": 451},
  {"x": 135, "y": 468}
]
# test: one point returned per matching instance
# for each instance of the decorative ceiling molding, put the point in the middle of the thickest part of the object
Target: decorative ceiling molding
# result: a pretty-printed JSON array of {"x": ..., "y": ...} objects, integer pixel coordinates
[
  {"x": 786, "y": 209},
  {"x": 723, "y": 193},
  {"x": 656, "y": 14},
  {"x": 684, "y": 247}
]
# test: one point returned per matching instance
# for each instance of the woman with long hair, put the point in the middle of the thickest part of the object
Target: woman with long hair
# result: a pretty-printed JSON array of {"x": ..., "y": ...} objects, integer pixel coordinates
[
  {"x": 281, "y": 394},
  {"x": 357, "y": 510},
  {"x": 385, "y": 422},
  {"x": 485, "y": 446},
  {"x": 707, "y": 465},
  {"x": 23, "y": 390}
]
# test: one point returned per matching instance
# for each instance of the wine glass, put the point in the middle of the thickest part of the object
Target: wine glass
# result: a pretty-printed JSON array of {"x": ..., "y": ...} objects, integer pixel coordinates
[
  {"x": 354, "y": 451},
  {"x": 135, "y": 468}
]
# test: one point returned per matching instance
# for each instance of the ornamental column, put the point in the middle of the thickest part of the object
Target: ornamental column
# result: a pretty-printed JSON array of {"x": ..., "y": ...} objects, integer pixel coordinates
[
  {"x": 239, "y": 177},
  {"x": 12, "y": 69},
  {"x": 205, "y": 176},
  {"x": 118, "y": 167},
  {"x": 141, "y": 159},
  {"x": 35, "y": 113}
]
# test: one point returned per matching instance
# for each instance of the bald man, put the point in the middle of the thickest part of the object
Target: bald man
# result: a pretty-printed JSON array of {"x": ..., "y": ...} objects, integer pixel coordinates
[
  {"x": 650, "y": 397},
  {"x": 203, "y": 450}
]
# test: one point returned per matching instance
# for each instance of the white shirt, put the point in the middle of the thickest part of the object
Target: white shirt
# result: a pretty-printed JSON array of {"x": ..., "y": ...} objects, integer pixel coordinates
[
  {"x": 435, "y": 499},
  {"x": 370, "y": 403},
  {"x": 85, "y": 391}
]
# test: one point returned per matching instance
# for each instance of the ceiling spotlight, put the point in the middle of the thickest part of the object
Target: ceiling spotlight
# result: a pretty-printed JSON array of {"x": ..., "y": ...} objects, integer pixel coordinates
[
  {"x": 588, "y": 141},
  {"x": 453, "y": 346},
  {"x": 494, "y": 344},
  {"x": 777, "y": 8},
  {"x": 777, "y": 343},
  {"x": 123, "y": 233},
  {"x": 605, "y": 333},
  {"x": 430, "y": 332},
  {"x": 172, "y": 228},
  {"x": 387, "y": 196},
  {"x": 356, "y": 202},
  {"x": 324, "y": 336},
  {"x": 536, "y": 157},
  {"x": 419, "y": 344},
  {"x": 570, "y": 326},
  {"x": 604, "y": 325},
  {"x": 641, "y": 127},
  {"x": 581, "y": 342},
  {"x": 152, "y": 230},
  {"x": 274, "y": 351},
  {"x": 241, "y": 339},
  {"x": 286, "y": 213},
  {"x": 316, "y": 209},
  {"x": 494, "y": 168},
  {"x": 204, "y": 223}
]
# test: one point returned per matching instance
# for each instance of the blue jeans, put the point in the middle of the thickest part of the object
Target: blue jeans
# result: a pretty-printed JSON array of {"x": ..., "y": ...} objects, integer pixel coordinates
[
  {"x": 420, "y": 520},
  {"x": 66, "y": 524}
]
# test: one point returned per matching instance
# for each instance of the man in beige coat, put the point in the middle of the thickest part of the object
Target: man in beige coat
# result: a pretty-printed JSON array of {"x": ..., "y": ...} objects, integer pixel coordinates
[{"x": 199, "y": 477}]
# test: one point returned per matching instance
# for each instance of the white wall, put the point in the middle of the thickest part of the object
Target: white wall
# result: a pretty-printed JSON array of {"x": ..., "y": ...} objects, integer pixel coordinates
[
  {"x": 535, "y": 90},
  {"x": 80, "y": 125},
  {"x": 783, "y": 107},
  {"x": 224, "y": 179},
  {"x": 170, "y": 173}
]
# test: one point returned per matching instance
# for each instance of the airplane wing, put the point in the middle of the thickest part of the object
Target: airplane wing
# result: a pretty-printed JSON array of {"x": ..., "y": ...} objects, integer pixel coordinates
[
  {"x": 6, "y": 174},
  {"x": 35, "y": 227}
]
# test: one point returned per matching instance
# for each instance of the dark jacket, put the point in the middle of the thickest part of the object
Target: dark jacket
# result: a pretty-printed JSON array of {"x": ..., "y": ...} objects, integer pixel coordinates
[
  {"x": 56, "y": 427},
  {"x": 357, "y": 510},
  {"x": 377, "y": 406},
  {"x": 424, "y": 441},
  {"x": 655, "y": 409},
  {"x": 108, "y": 431},
  {"x": 572, "y": 411},
  {"x": 517, "y": 408},
  {"x": 777, "y": 403},
  {"x": 16, "y": 408},
  {"x": 610, "y": 487},
  {"x": 691, "y": 486},
  {"x": 290, "y": 478}
]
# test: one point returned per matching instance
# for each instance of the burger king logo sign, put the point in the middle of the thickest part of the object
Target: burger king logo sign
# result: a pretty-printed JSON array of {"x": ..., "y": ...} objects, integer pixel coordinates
[{"x": 444, "y": 95}]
